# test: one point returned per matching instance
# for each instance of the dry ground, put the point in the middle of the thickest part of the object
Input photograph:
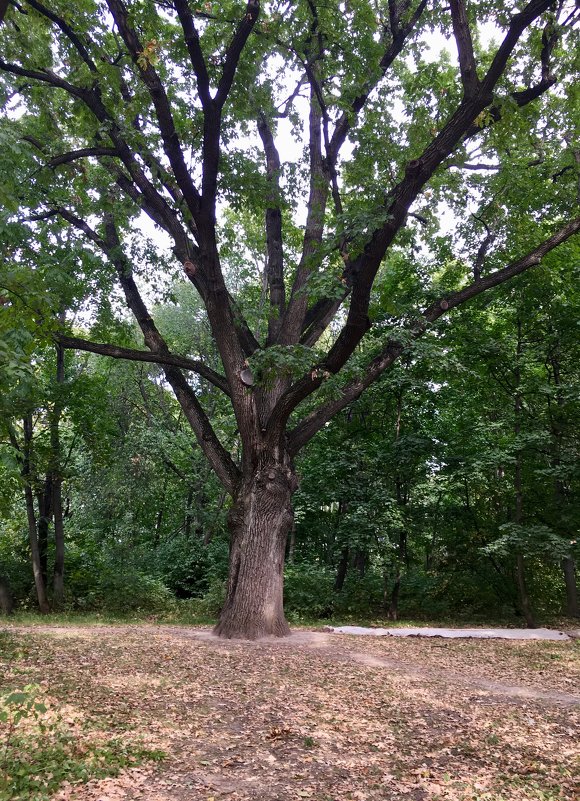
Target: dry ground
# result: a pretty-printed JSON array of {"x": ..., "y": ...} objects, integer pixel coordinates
[{"x": 317, "y": 716}]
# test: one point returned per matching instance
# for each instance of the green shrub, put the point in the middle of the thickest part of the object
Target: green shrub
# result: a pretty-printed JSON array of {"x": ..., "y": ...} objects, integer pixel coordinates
[
  {"x": 130, "y": 591},
  {"x": 308, "y": 591},
  {"x": 360, "y": 595},
  {"x": 182, "y": 563}
]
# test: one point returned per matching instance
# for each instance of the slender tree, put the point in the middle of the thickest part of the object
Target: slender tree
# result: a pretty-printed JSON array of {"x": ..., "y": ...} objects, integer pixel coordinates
[{"x": 151, "y": 109}]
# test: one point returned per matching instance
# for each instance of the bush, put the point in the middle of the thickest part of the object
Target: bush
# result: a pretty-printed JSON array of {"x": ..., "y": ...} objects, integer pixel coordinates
[
  {"x": 183, "y": 565},
  {"x": 308, "y": 591},
  {"x": 360, "y": 596},
  {"x": 131, "y": 591}
]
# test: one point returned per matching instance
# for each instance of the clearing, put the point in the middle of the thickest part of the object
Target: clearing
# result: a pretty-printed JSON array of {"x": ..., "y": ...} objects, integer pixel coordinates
[{"x": 316, "y": 716}]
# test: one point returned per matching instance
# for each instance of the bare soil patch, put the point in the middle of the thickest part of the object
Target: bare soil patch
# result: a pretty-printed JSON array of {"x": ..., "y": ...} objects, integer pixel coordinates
[{"x": 315, "y": 716}]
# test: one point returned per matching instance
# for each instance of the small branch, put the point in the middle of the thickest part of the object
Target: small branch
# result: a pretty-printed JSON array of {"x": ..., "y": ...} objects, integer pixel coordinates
[
  {"x": 67, "y": 30},
  {"x": 194, "y": 49},
  {"x": 482, "y": 249},
  {"x": 150, "y": 78},
  {"x": 346, "y": 121},
  {"x": 475, "y": 167}
]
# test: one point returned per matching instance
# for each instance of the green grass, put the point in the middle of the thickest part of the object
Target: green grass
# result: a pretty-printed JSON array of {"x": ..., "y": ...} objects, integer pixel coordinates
[{"x": 183, "y": 615}]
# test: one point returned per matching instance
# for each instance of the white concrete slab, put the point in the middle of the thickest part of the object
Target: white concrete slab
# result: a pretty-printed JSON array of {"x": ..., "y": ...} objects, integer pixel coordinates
[{"x": 485, "y": 634}]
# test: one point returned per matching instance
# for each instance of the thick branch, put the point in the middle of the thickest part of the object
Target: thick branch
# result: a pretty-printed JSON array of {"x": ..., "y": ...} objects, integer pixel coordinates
[
  {"x": 171, "y": 143},
  {"x": 84, "y": 152},
  {"x": 462, "y": 34},
  {"x": 318, "y": 196},
  {"x": 533, "y": 258},
  {"x": 275, "y": 258},
  {"x": 194, "y": 49},
  {"x": 130, "y": 354},
  {"x": 234, "y": 51},
  {"x": 217, "y": 455},
  {"x": 311, "y": 424}
]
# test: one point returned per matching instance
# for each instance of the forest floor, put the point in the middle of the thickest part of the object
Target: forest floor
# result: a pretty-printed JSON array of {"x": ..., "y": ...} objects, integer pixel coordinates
[{"x": 315, "y": 716}]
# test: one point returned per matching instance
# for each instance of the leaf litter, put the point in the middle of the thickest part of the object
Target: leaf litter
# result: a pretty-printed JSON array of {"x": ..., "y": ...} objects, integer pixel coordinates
[{"x": 315, "y": 716}]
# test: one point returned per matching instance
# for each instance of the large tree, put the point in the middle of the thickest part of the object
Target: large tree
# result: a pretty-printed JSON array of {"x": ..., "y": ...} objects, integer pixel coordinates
[{"x": 338, "y": 129}]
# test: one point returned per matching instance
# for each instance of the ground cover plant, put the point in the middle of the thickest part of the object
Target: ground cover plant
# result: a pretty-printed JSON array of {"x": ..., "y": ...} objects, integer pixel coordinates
[{"x": 315, "y": 716}]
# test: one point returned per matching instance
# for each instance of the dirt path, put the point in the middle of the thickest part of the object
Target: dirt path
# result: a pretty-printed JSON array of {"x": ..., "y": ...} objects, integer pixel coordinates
[
  {"x": 329, "y": 646},
  {"x": 319, "y": 716}
]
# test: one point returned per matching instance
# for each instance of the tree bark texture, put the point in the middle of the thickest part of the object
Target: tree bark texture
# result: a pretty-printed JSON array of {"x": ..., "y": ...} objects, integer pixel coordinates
[{"x": 260, "y": 522}]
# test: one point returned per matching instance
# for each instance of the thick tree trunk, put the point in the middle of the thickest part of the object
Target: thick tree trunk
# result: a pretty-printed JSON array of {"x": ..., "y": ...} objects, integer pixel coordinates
[
  {"x": 569, "y": 568},
  {"x": 260, "y": 521}
]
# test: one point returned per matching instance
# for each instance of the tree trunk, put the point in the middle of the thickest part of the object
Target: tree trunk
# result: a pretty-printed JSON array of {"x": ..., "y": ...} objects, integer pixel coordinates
[
  {"x": 524, "y": 598},
  {"x": 569, "y": 568},
  {"x": 5, "y": 597},
  {"x": 342, "y": 569},
  {"x": 260, "y": 520},
  {"x": 58, "y": 573},
  {"x": 39, "y": 581},
  {"x": 393, "y": 610},
  {"x": 56, "y": 479},
  {"x": 44, "y": 504}
]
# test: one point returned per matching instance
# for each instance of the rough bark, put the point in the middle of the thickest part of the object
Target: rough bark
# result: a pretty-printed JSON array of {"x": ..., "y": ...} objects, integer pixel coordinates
[{"x": 260, "y": 521}]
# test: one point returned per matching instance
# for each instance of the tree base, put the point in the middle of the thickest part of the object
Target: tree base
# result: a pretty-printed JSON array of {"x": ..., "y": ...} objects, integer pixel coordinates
[{"x": 231, "y": 628}]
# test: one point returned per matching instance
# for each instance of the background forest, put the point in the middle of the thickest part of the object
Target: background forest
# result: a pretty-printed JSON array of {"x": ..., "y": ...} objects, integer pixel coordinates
[{"x": 449, "y": 490}]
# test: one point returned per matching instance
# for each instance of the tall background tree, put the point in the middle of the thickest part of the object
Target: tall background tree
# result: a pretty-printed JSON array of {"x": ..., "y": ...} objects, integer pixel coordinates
[{"x": 176, "y": 113}]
